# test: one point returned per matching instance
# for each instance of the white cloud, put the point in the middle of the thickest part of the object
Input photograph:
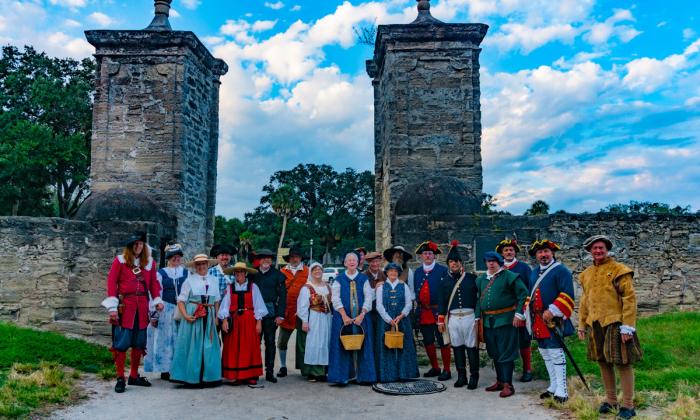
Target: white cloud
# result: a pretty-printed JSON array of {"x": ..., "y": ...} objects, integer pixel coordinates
[
  {"x": 275, "y": 6},
  {"x": 191, "y": 4},
  {"x": 295, "y": 8},
  {"x": 689, "y": 33},
  {"x": 60, "y": 44},
  {"x": 649, "y": 74},
  {"x": 602, "y": 32},
  {"x": 526, "y": 38},
  {"x": 71, "y": 23},
  {"x": 101, "y": 19},
  {"x": 263, "y": 25},
  {"x": 73, "y": 4},
  {"x": 174, "y": 13},
  {"x": 213, "y": 40}
]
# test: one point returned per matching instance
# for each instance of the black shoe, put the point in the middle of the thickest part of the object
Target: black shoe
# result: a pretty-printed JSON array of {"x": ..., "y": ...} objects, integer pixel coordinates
[
  {"x": 282, "y": 373},
  {"x": 607, "y": 408},
  {"x": 431, "y": 373},
  {"x": 545, "y": 395},
  {"x": 445, "y": 375},
  {"x": 461, "y": 378},
  {"x": 626, "y": 413},
  {"x": 527, "y": 377},
  {"x": 322, "y": 378},
  {"x": 561, "y": 400},
  {"x": 270, "y": 377},
  {"x": 165, "y": 376},
  {"x": 120, "y": 386},
  {"x": 473, "y": 382},
  {"x": 138, "y": 381}
]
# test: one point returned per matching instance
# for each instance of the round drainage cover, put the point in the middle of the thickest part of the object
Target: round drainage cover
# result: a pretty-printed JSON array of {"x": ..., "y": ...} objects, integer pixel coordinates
[{"x": 417, "y": 387}]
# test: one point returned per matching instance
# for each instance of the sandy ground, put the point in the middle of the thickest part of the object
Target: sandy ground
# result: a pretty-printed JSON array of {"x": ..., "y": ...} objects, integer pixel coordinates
[{"x": 295, "y": 398}]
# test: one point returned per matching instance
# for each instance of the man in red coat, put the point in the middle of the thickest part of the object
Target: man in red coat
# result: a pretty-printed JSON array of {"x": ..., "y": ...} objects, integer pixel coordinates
[
  {"x": 131, "y": 279},
  {"x": 297, "y": 273}
]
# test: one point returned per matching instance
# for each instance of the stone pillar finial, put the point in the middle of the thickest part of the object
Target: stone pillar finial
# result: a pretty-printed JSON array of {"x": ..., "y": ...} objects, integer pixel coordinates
[
  {"x": 424, "y": 15},
  {"x": 160, "y": 21}
]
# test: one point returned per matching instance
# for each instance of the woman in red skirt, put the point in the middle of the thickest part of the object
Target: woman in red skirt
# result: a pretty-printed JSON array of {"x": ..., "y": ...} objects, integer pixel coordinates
[{"x": 242, "y": 310}]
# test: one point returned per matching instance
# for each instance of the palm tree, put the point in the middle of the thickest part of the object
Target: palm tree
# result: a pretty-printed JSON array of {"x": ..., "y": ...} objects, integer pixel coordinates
[{"x": 285, "y": 204}]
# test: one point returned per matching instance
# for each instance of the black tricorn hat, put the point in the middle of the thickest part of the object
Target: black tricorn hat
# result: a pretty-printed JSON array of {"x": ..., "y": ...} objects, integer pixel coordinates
[
  {"x": 263, "y": 252},
  {"x": 222, "y": 249},
  {"x": 137, "y": 236},
  {"x": 508, "y": 242},
  {"x": 454, "y": 252},
  {"x": 294, "y": 251}
]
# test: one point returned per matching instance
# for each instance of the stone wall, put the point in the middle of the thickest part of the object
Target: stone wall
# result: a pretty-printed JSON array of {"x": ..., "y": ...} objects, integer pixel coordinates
[
  {"x": 427, "y": 113},
  {"x": 53, "y": 272},
  {"x": 663, "y": 251},
  {"x": 155, "y": 124}
]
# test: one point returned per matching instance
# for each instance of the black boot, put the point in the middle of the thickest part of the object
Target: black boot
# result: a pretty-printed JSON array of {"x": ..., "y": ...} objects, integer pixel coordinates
[
  {"x": 270, "y": 376},
  {"x": 121, "y": 385},
  {"x": 461, "y": 365},
  {"x": 473, "y": 355},
  {"x": 461, "y": 377}
]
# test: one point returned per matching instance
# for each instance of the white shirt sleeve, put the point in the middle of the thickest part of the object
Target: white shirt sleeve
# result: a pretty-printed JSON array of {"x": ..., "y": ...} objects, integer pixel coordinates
[
  {"x": 335, "y": 298},
  {"x": 369, "y": 296},
  {"x": 303, "y": 304},
  {"x": 225, "y": 305},
  {"x": 152, "y": 303},
  {"x": 259, "y": 307},
  {"x": 214, "y": 288},
  {"x": 380, "y": 303},
  {"x": 184, "y": 291},
  {"x": 411, "y": 283},
  {"x": 409, "y": 303}
]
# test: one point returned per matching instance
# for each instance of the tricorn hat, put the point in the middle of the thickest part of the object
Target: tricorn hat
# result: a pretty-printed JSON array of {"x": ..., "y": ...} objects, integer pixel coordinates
[
  {"x": 294, "y": 251},
  {"x": 262, "y": 253},
  {"x": 428, "y": 246},
  {"x": 493, "y": 256},
  {"x": 508, "y": 242},
  {"x": 454, "y": 254},
  {"x": 389, "y": 253},
  {"x": 543, "y": 244},
  {"x": 173, "y": 250},
  {"x": 201, "y": 258},
  {"x": 137, "y": 236},
  {"x": 239, "y": 266},
  {"x": 222, "y": 249},
  {"x": 588, "y": 243}
]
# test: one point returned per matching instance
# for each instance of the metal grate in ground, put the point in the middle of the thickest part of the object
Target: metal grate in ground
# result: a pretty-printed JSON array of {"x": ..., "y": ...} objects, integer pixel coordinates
[{"x": 417, "y": 387}]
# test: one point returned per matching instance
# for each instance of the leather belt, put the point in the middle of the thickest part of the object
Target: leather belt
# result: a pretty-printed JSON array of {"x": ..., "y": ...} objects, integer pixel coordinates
[{"x": 500, "y": 311}]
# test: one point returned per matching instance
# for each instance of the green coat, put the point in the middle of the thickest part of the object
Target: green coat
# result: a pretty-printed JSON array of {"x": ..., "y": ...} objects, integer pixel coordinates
[{"x": 507, "y": 290}]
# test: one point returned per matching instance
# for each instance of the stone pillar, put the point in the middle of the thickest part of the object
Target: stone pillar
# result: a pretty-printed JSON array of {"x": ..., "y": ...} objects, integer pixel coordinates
[
  {"x": 155, "y": 123},
  {"x": 427, "y": 122}
]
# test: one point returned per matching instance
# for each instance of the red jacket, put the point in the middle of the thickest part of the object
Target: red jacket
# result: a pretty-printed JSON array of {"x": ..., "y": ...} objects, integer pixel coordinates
[{"x": 122, "y": 281}]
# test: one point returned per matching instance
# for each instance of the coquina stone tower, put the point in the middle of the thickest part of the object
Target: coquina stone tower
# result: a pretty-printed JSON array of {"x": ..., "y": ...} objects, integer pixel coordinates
[
  {"x": 427, "y": 120},
  {"x": 155, "y": 129}
]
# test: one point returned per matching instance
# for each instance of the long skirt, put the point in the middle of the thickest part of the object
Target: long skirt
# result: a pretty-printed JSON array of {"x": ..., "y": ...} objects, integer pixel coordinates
[
  {"x": 396, "y": 364},
  {"x": 161, "y": 341},
  {"x": 242, "y": 358},
  {"x": 197, "y": 356},
  {"x": 344, "y": 365},
  {"x": 316, "y": 344}
]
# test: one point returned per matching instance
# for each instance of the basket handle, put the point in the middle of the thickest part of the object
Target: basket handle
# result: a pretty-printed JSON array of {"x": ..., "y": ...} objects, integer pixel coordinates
[
  {"x": 395, "y": 327},
  {"x": 362, "y": 330}
]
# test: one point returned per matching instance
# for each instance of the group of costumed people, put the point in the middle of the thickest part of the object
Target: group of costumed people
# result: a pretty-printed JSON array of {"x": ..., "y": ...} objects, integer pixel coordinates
[{"x": 204, "y": 322}]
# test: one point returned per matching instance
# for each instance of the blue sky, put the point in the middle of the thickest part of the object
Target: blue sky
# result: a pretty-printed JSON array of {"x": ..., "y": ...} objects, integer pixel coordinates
[{"x": 584, "y": 102}]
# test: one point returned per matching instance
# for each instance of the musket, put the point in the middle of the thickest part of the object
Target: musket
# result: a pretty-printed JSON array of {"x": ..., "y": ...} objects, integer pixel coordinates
[{"x": 555, "y": 333}]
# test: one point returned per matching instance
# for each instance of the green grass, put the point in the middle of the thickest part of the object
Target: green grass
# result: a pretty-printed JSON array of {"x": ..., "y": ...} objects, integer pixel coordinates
[
  {"x": 40, "y": 368},
  {"x": 668, "y": 377}
]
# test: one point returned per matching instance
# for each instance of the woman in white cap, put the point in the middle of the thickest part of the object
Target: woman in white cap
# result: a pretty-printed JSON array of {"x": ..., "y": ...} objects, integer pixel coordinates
[
  {"x": 314, "y": 311},
  {"x": 163, "y": 328},
  {"x": 197, "y": 358}
]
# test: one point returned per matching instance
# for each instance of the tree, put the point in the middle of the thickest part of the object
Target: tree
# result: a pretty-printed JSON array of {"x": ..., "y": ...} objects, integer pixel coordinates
[
  {"x": 537, "y": 208},
  {"x": 45, "y": 130},
  {"x": 285, "y": 204},
  {"x": 489, "y": 204},
  {"x": 646, "y": 207}
]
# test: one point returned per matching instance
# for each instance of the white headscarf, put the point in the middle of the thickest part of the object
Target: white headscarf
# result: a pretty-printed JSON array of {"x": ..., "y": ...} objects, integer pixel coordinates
[{"x": 309, "y": 281}]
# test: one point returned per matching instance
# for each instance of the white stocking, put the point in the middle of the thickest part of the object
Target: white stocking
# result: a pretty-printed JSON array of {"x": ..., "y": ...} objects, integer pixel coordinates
[
  {"x": 550, "y": 369},
  {"x": 559, "y": 362}
]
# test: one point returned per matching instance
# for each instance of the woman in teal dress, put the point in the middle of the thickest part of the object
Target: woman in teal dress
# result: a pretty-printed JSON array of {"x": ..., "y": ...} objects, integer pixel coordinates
[
  {"x": 393, "y": 305},
  {"x": 197, "y": 358}
]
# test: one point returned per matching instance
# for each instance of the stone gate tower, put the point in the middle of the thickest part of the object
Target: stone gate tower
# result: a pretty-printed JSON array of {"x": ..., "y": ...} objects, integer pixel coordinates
[
  {"x": 427, "y": 125},
  {"x": 155, "y": 129}
]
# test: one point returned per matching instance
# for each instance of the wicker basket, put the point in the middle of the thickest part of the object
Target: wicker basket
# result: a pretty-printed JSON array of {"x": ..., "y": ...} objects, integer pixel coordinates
[
  {"x": 352, "y": 342},
  {"x": 393, "y": 339}
]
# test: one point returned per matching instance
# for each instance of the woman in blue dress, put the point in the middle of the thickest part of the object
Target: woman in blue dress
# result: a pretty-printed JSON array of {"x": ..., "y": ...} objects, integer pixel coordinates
[
  {"x": 197, "y": 358},
  {"x": 394, "y": 305},
  {"x": 351, "y": 295},
  {"x": 162, "y": 331}
]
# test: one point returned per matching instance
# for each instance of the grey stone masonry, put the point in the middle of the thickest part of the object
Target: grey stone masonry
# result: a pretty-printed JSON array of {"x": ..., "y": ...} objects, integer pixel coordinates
[
  {"x": 155, "y": 124},
  {"x": 427, "y": 116}
]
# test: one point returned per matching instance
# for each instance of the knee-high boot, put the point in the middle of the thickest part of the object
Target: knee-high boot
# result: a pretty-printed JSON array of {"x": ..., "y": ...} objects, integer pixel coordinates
[
  {"x": 473, "y": 355},
  {"x": 461, "y": 365}
]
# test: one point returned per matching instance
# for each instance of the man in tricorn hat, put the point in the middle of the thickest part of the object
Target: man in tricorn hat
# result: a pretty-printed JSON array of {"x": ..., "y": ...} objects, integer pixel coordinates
[
  {"x": 223, "y": 254},
  {"x": 271, "y": 283},
  {"x": 550, "y": 307},
  {"x": 296, "y": 274},
  {"x": 428, "y": 292},
  {"x": 608, "y": 313},
  {"x": 457, "y": 315},
  {"x": 500, "y": 308},
  {"x": 508, "y": 248}
]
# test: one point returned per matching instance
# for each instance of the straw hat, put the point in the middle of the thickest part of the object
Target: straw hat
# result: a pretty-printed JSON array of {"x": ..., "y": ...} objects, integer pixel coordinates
[
  {"x": 201, "y": 258},
  {"x": 239, "y": 266}
]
